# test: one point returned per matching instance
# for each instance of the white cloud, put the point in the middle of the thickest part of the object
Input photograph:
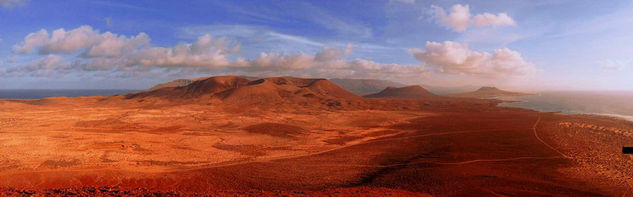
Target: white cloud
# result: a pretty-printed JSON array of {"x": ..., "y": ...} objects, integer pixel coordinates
[
  {"x": 204, "y": 52},
  {"x": 31, "y": 41},
  {"x": 85, "y": 38},
  {"x": 108, "y": 52},
  {"x": 257, "y": 39},
  {"x": 487, "y": 19},
  {"x": 111, "y": 45},
  {"x": 455, "y": 58},
  {"x": 308, "y": 66},
  {"x": 12, "y": 3},
  {"x": 327, "y": 63},
  {"x": 45, "y": 66},
  {"x": 67, "y": 42},
  {"x": 127, "y": 56},
  {"x": 459, "y": 18},
  {"x": 329, "y": 53}
]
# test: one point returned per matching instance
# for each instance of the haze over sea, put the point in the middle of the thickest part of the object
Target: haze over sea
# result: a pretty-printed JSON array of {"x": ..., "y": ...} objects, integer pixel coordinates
[
  {"x": 36, "y": 94},
  {"x": 608, "y": 103}
]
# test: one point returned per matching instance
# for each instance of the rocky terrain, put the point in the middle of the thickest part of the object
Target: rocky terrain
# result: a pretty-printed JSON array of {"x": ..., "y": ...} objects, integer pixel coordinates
[{"x": 230, "y": 135}]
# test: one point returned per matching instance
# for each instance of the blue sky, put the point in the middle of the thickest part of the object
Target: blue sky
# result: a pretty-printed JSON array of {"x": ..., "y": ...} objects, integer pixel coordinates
[{"x": 532, "y": 45}]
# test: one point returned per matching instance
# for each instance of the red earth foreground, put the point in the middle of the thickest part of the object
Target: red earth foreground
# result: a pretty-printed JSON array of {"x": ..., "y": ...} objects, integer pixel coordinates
[{"x": 303, "y": 137}]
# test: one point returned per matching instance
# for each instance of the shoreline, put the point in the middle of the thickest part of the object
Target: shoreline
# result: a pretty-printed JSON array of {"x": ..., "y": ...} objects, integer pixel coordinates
[{"x": 567, "y": 112}]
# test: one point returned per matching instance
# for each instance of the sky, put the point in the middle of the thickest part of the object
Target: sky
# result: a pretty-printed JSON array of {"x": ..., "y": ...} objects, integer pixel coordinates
[{"x": 527, "y": 45}]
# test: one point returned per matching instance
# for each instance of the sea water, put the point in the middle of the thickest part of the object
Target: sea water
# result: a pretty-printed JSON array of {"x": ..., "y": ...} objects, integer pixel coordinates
[{"x": 608, "y": 103}]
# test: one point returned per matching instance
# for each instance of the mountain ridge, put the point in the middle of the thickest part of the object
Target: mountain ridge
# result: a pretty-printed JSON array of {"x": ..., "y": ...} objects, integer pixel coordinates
[{"x": 407, "y": 92}]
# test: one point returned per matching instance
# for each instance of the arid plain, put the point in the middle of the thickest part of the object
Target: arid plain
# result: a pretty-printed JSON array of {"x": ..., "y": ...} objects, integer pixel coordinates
[{"x": 290, "y": 136}]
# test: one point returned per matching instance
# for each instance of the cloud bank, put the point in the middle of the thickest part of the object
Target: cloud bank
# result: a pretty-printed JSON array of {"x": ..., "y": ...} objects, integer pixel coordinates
[
  {"x": 459, "y": 18},
  {"x": 455, "y": 58},
  {"x": 86, "y": 50}
]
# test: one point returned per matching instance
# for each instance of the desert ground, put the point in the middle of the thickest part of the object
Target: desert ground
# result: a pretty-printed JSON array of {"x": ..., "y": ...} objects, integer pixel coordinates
[{"x": 201, "y": 139}]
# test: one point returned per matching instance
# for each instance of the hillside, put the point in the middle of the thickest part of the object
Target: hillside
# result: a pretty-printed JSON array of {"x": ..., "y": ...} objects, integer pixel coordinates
[
  {"x": 240, "y": 90},
  {"x": 356, "y": 86},
  {"x": 365, "y": 86},
  {"x": 176, "y": 83},
  {"x": 409, "y": 92},
  {"x": 185, "y": 82}
]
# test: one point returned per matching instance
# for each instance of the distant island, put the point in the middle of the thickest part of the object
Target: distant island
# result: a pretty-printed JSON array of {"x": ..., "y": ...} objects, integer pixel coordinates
[{"x": 488, "y": 92}]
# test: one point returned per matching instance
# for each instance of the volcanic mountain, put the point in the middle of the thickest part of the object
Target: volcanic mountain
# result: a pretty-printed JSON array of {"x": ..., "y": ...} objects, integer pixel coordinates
[
  {"x": 489, "y": 92},
  {"x": 174, "y": 83},
  {"x": 185, "y": 82},
  {"x": 241, "y": 90},
  {"x": 365, "y": 86},
  {"x": 409, "y": 92}
]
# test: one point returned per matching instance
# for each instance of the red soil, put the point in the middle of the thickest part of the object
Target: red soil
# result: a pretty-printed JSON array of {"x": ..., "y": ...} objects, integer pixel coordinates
[
  {"x": 116, "y": 191},
  {"x": 313, "y": 139}
]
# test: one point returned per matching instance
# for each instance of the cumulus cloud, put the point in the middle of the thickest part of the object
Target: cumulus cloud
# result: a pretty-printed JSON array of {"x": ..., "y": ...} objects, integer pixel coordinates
[
  {"x": 328, "y": 66},
  {"x": 86, "y": 50},
  {"x": 12, "y": 3},
  {"x": 45, "y": 66},
  {"x": 85, "y": 38},
  {"x": 455, "y": 58},
  {"x": 329, "y": 53},
  {"x": 459, "y": 18},
  {"x": 206, "y": 51},
  {"x": 90, "y": 50}
]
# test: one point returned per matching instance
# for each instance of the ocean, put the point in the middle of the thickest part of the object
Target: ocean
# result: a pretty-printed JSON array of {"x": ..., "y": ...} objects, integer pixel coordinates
[
  {"x": 607, "y": 103},
  {"x": 36, "y": 94}
]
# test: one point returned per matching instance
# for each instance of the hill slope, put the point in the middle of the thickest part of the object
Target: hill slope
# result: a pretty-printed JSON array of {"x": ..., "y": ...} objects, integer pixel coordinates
[
  {"x": 184, "y": 82},
  {"x": 365, "y": 86},
  {"x": 409, "y": 92},
  {"x": 240, "y": 90},
  {"x": 176, "y": 83}
]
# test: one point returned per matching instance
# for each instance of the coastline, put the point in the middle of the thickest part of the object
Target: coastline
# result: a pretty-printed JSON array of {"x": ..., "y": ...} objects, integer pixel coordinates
[{"x": 560, "y": 109}]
